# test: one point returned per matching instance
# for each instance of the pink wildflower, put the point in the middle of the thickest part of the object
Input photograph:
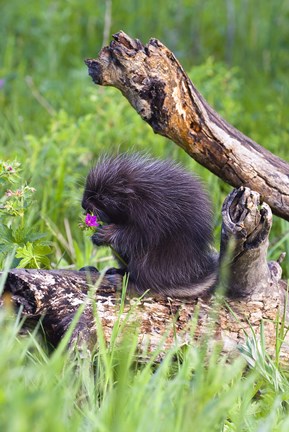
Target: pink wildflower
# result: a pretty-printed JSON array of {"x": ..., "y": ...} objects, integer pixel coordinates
[
  {"x": 91, "y": 220},
  {"x": 9, "y": 193}
]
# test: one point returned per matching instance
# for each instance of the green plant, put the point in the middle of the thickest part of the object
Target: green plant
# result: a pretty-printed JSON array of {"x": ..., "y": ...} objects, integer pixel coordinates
[{"x": 16, "y": 231}]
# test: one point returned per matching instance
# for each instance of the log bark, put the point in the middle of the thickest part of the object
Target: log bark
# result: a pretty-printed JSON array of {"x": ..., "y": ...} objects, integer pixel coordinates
[
  {"x": 55, "y": 296},
  {"x": 156, "y": 85}
]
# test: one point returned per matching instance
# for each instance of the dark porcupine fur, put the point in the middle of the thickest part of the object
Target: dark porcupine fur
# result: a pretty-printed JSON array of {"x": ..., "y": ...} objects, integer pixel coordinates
[{"x": 158, "y": 219}]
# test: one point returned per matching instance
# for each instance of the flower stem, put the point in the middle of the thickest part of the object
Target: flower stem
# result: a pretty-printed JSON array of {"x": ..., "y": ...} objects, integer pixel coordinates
[{"x": 118, "y": 256}]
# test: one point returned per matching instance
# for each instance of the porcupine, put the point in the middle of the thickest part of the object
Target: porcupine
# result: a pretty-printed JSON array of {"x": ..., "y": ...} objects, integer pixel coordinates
[{"x": 158, "y": 219}]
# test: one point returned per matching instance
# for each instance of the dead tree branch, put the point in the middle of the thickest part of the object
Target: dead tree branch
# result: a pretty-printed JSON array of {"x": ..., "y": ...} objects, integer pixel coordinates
[{"x": 156, "y": 85}]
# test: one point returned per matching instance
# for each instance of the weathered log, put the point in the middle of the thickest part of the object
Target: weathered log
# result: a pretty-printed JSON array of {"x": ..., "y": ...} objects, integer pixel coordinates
[
  {"x": 55, "y": 296},
  {"x": 156, "y": 85},
  {"x": 248, "y": 223}
]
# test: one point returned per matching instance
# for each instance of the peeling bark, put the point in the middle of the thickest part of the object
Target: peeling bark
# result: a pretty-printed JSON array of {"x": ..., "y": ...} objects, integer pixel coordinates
[{"x": 155, "y": 84}]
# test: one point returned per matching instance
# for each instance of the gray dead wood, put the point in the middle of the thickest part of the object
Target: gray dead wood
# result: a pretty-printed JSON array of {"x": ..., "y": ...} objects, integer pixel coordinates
[
  {"x": 156, "y": 85},
  {"x": 255, "y": 292}
]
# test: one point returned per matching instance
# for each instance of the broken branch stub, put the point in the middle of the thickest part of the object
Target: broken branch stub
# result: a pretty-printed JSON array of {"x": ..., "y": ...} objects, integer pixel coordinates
[{"x": 247, "y": 223}]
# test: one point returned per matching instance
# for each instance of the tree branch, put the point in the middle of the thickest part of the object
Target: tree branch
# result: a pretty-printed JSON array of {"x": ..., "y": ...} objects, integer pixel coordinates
[{"x": 156, "y": 85}]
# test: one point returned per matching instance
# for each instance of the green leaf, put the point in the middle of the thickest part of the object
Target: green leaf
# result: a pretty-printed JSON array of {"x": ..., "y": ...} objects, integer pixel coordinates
[
  {"x": 25, "y": 235},
  {"x": 33, "y": 236},
  {"x": 19, "y": 234},
  {"x": 33, "y": 255},
  {"x": 6, "y": 234}
]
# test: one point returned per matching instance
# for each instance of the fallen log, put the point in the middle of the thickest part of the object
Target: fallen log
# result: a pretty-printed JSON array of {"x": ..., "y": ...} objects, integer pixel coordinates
[
  {"x": 155, "y": 84},
  {"x": 255, "y": 292}
]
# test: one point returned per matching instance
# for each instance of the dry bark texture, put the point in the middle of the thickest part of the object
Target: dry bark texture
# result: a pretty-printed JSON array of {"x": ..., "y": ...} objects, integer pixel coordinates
[
  {"x": 156, "y": 85},
  {"x": 57, "y": 295}
]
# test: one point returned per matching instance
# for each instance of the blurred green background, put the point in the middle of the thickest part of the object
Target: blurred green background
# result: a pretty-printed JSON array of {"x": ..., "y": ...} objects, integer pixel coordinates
[{"x": 56, "y": 122}]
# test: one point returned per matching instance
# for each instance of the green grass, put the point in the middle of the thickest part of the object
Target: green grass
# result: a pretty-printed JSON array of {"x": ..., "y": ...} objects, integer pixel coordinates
[
  {"x": 56, "y": 123},
  {"x": 195, "y": 388}
]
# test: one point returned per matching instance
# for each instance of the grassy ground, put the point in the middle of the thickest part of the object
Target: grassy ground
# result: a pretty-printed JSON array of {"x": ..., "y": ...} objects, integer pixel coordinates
[{"x": 55, "y": 123}]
